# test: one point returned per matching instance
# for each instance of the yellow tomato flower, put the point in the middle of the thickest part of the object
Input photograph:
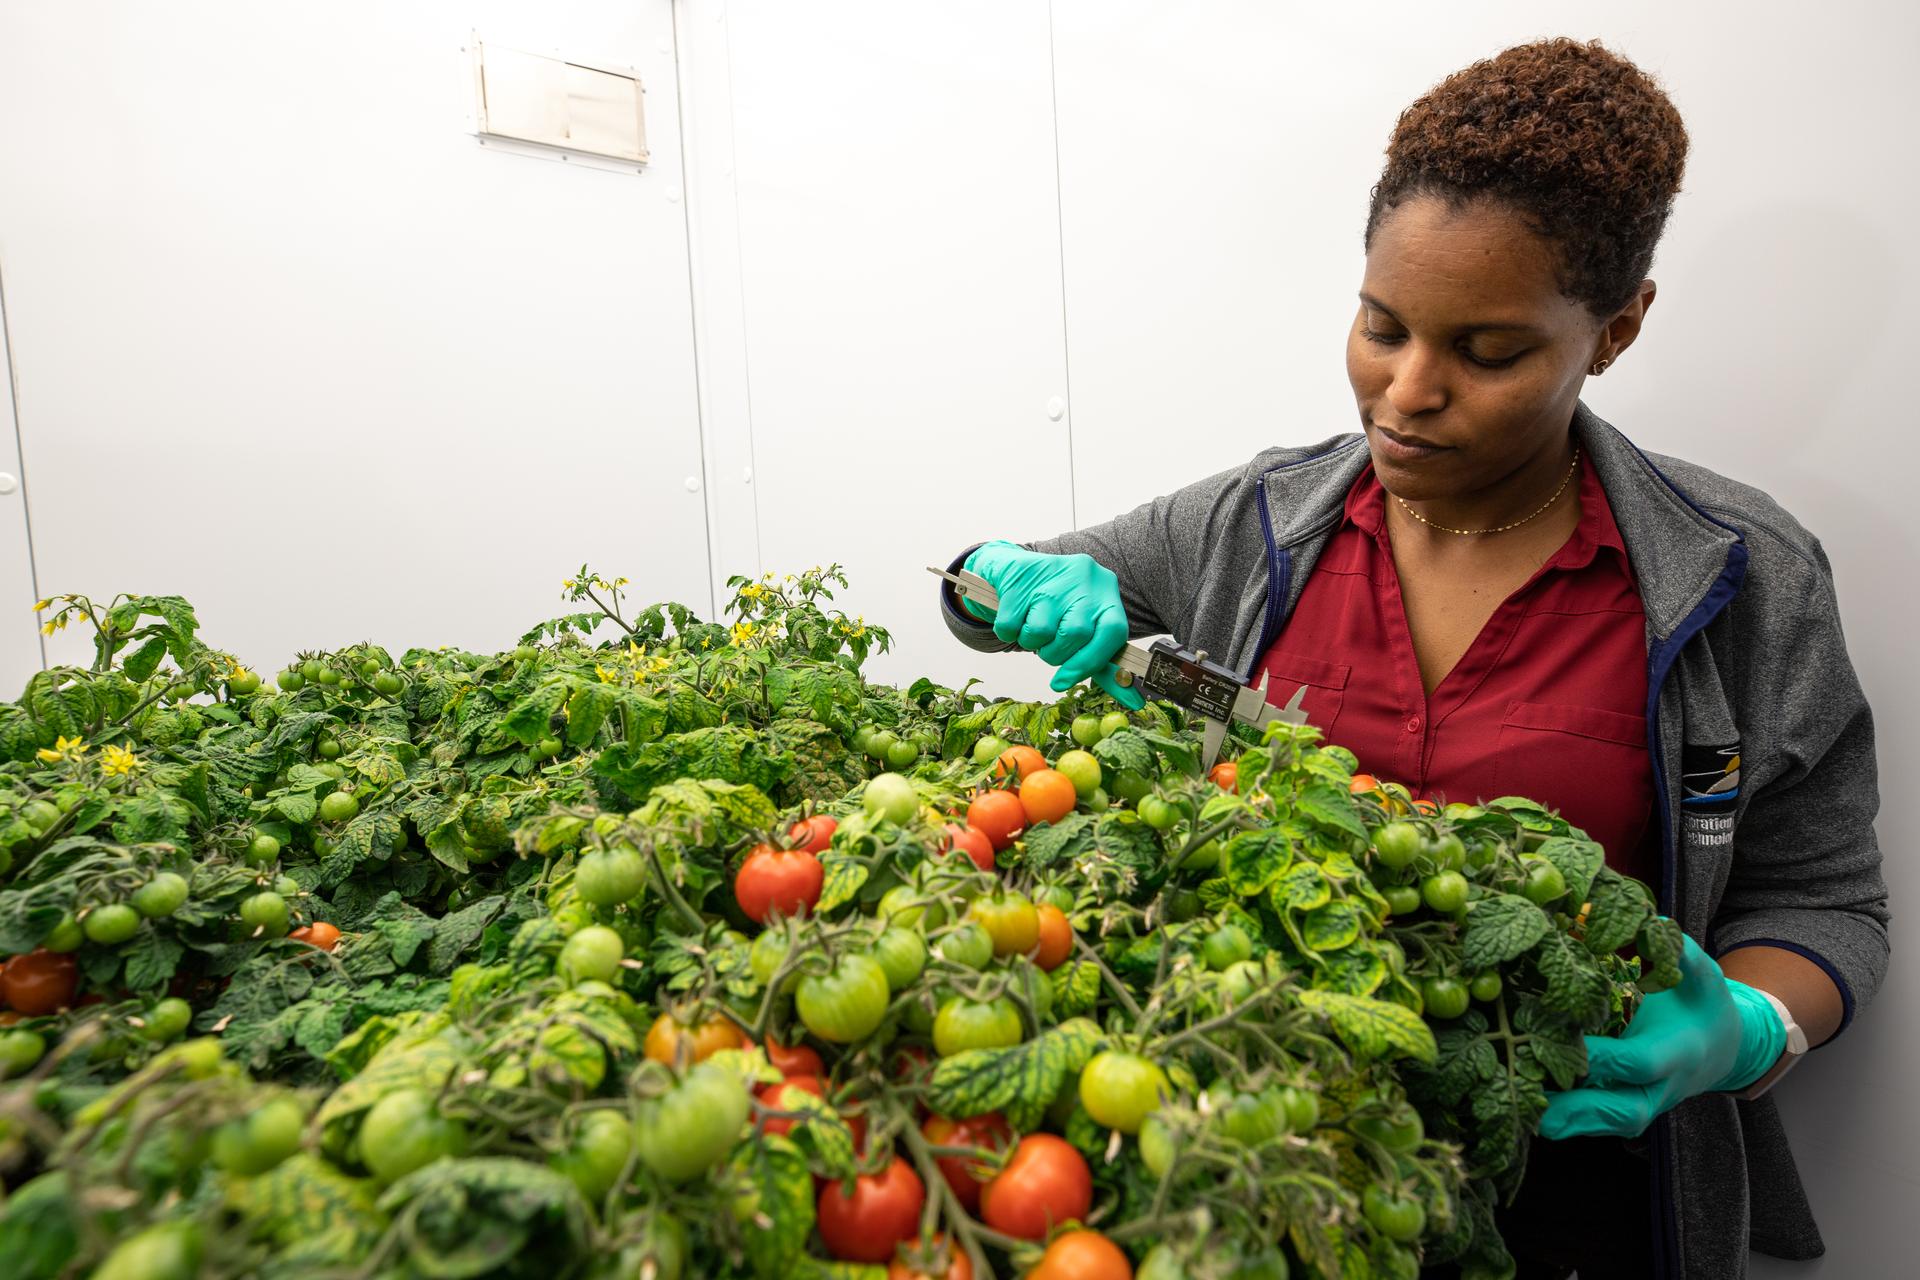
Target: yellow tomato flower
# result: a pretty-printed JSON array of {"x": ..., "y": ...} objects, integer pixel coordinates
[
  {"x": 41, "y": 606},
  {"x": 118, "y": 762},
  {"x": 606, "y": 676}
]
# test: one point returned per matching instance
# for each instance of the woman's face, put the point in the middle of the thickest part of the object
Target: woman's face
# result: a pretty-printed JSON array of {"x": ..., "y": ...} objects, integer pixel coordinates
[{"x": 1465, "y": 357}]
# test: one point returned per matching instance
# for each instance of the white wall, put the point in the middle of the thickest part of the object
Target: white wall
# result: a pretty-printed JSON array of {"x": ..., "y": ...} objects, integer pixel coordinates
[
  {"x": 292, "y": 343},
  {"x": 262, "y": 247}
]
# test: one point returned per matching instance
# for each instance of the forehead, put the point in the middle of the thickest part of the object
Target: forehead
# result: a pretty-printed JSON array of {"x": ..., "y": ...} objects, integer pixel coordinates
[{"x": 1432, "y": 261}]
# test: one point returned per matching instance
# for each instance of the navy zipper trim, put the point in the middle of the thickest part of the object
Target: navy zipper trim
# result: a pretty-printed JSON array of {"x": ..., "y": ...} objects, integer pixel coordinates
[
  {"x": 1279, "y": 562},
  {"x": 1666, "y": 1226}
]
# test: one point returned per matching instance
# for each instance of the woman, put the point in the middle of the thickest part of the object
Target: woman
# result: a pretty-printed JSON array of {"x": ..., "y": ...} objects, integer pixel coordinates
[{"x": 1491, "y": 591}]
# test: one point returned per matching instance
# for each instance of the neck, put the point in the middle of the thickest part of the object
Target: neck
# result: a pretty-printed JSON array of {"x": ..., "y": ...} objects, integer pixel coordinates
[{"x": 1526, "y": 496}]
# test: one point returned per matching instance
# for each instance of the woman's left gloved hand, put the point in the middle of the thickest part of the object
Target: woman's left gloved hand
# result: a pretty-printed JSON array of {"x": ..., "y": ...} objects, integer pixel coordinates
[{"x": 1708, "y": 1034}]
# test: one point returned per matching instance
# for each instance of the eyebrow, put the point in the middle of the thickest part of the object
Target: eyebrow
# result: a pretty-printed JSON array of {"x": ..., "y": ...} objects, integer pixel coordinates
[{"x": 1374, "y": 302}]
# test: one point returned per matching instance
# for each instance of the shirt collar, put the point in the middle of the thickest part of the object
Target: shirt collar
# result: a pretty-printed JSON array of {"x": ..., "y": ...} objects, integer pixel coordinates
[{"x": 1366, "y": 510}]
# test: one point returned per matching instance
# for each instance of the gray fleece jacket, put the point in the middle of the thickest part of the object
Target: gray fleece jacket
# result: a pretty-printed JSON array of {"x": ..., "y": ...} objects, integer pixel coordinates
[{"x": 1746, "y": 665}]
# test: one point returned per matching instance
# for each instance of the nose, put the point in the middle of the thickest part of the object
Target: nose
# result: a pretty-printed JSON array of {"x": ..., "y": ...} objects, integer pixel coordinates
[{"x": 1417, "y": 384}]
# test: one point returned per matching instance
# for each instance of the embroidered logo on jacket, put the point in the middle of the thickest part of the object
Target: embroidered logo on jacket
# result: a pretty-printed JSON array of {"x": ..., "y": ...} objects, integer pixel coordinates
[{"x": 1709, "y": 792}]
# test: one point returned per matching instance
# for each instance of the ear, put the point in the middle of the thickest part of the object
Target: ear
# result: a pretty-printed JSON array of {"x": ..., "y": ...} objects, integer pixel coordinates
[{"x": 1618, "y": 333}]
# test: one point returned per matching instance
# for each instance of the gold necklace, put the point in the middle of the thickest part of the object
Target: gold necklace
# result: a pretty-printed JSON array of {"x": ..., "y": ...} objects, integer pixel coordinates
[{"x": 1503, "y": 528}]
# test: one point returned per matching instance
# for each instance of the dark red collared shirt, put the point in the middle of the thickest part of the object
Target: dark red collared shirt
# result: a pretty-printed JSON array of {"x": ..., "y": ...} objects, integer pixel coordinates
[{"x": 1548, "y": 702}]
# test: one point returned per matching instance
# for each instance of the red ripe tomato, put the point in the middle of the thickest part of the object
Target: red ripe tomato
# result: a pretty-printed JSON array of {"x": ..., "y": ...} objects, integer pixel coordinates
[
  {"x": 966, "y": 1176},
  {"x": 1082, "y": 1255},
  {"x": 1022, "y": 759},
  {"x": 40, "y": 982},
  {"x": 1225, "y": 775},
  {"x": 1056, "y": 937},
  {"x": 999, "y": 816},
  {"x": 882, "y": 1211},
  {"x": 1047, "y": 795},
  {"x": 796, "y": 1060},
  {"x": 783, "y": 1096},
  {"x": 922, "y": 1262},
  {"x": 783, "y": 880},
  {"x": 1046, "y": 1183},
  {"x": 971, "y": 841},
  {"x": 319, "y": 934},
  {"x": 814, "y": 834}
]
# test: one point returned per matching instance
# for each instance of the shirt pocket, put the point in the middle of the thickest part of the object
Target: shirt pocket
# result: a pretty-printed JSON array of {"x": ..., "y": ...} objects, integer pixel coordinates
[
  {"x": 1589, "y": 763},
  {"x": 1326, "y": 685}
]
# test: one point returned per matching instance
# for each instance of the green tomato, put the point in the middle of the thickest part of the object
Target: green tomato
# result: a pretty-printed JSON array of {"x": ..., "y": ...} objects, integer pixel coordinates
[
  {"x": 1397, "y": 844},
  {"x": 1399, "y": 1131},
  {"x": 687, "y": 1130},
  {"x": 845, "y": 1004},
  {"x": 663, "y": 1247},
  {"x": 1398, "y": 1218},
  {"x": 1240, "y": 980},
  {"x": 327, "y": 677},
  {"x": 1082, "y": 769},
  {"x": 1099, "y": 801},
  {"x": 1113, "y": 722},
  {"x": 964, "y": 1024},
  {"x": 767, "y": 954},
  {"x": 525, "y": 653},
  {"x": 19, "y": 1050},
  {"x": 338, "y": 806},
  {"x": 891, "y": 797},
  {"x": 598, "y": 1153},
  {"x": 902, "y": 754},
  {"x": 312, "y": 668},
  {"x": 1120, "y": 1089},
  {"x": 1449, "y": 852},
  {"x": 387, "y": 684},
  {"x": 1156, "y": 1145},
  {"x": 1086, "y": 730},
  {"x": 1485, "y": 987},
  {"x": 164, "y": 1251},
  {"x": 1248, "y": 1118},
  {"x": 592, "y": 954},
  {"x": 906, "y": 905},
  {"x": 1302, "y": 1107},
  {"x": 328, "y": 748},
  {"x": 1265, "y": 1264},
  {"x": 111, "y": 925},
  {"x": 1402, "y": 899},
  {"x": 1444, "y": 997},
  {"x": 880, "y": 742},
  {"x": 1225, "y": 946},
  {"x": 244, "y": 683},
  {"x": 1445, "y": 891},
  {"x": 989, "y": 749},
  {"x": 1482, "y": 854},
  {"x": 606, "y": 877},
  {"x": 1205, "y": 858},
  {"x": 261, "y": 1139},
  {"x": 1545, "y": 884},
  {"x": 65, "y": 936},
  {"x": 969, "y": 944},
  {"x": 405, "y": 1131},
  {"x": 267, "y": 912},
  {"x": 333, "y": 769},
  {"x": 901, "y": 955},
  {"x": 163, "y": 895},
  {"x": 1160, "y": 1264},
  {"x": 1157, "y": 813},
  {"x": 290, "y": 680},
  {"x": 167, "y": 1020},
  {"x": 262, "y": 850},
  {"x": 1132, "y": 786}
]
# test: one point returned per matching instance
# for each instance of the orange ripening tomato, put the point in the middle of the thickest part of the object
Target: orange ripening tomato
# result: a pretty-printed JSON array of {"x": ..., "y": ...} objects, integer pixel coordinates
[
  {"x": 1225, "y": 775},
  {"x": 1047, "y": 795},
  {"x": 1046, "y": 1183},
  {"x": 1056, "y": 937},
  {"x": 1427, "y": 807},
  {"x": 1082, "y": 1255},
  {"x": 1024, "y": 759},
  {"x": 922, "y": 1262},
  {"x": 319, "y": 934},
  {"x": 1363, "y": 783},
  {"x": 815, "y": 834},
  {"x": 667, "y": 1034},
  {"x": 999, "y": 816}
]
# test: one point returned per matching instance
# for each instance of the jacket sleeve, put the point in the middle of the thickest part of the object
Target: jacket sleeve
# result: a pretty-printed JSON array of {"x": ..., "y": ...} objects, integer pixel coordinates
[
  {"x": 1157, "y": 551},
  {"x": 1806, "y": 873}
]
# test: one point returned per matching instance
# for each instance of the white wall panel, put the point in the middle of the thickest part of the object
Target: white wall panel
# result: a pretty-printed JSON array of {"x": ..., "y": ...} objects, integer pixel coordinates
[
  {"x": 899, "y": 276},
  {"x": 20, "y": 651},
  {"x": 1215, "y": 165},
  {"x": 293, "y": 343}
]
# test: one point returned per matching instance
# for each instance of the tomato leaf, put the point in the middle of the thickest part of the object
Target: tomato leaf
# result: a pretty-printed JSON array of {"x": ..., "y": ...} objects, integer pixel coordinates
[
  {"x": 1617, "y": 908},
  {"x": 1500, "y": 929},
  {"x": 1374, "y": 1028},
  {"x": 1659, "y": 944},
  {"x": 1126, "y": 749},
  {"x": 1331, "y": 807},
  {"x": 1303, "y": 888},
  {"x": 1576, "y": 987},
  {"x": 844, "y": 877},
  {"x": 1020, "y": 1081},
  {"x": 1579, "y": 860},
  {"x": 1331, "y": 927},
  {"x": 774, "y": 1204},
  {"x": 305, "y": 1203},
  {"x": 1056, "y": 842},
  {"x": 479, "y": 1216},
  {"x": 1076, "y": 988},
  {"x": 1253, "y": 860}
]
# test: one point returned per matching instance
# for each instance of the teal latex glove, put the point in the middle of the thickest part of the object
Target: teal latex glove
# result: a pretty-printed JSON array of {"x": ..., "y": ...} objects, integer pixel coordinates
[
  {"x": 1708, "y": 1034},
  {"x": 1065, "y": 608}
]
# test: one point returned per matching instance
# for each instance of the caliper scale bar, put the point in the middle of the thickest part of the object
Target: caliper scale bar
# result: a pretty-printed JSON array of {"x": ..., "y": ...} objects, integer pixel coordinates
[{"x": 1164, "y": 670}]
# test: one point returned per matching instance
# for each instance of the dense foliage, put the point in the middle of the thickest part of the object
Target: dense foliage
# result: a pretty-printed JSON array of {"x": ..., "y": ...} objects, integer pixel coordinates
[{"x": 662, "y": 947}]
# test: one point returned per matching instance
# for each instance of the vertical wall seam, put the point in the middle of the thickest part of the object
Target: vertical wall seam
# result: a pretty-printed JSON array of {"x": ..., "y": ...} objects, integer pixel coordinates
[
  {"x": 20, "y": 457},
  {"x": 709, "y": 489},
  {"x": 740, "y": 275},
  {"x": 1060, "y": 227}
]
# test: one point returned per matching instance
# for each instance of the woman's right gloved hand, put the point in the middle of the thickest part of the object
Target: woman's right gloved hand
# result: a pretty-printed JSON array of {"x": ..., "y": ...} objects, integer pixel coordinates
[{"x": 1065, "y": 608}]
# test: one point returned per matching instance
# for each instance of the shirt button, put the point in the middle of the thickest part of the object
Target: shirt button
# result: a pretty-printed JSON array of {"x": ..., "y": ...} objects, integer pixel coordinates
[{"x": 1413, "y": 724}]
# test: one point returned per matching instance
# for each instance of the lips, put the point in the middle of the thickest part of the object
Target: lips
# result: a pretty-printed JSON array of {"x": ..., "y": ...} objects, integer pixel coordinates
[{"x": 1408, "y": 442}]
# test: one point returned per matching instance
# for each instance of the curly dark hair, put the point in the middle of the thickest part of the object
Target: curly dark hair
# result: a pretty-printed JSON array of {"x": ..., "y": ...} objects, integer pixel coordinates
[{"x": 1580, "y": 142}]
